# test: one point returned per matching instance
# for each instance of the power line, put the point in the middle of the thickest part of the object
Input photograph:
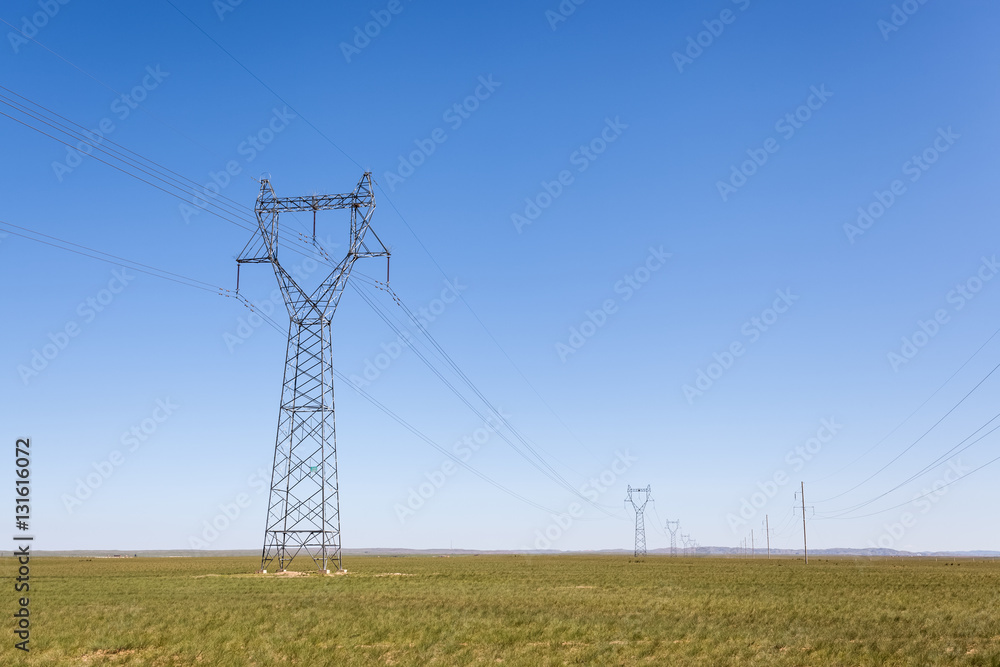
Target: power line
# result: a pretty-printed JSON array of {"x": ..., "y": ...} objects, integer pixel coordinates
[
  {"x": 86, "y": 251},
  {"x": 915, "y": 442},
  {"x": 534, "y": 448},
  {"x": 475, "y": 315},
  {"x": 398, "y": 213},
  {"x": 167, "y": 181},
  {"x": 170, "y": 186},
  {"x": 117, "y": 260},
  {"x": 526, "y": 451},
  {"x": 261, "y": 82},
  {"x": 368, "y": 397},
  {"x": 84, "y": 131},
  {"x": 915, "y": 411},
  {"x": 174, "y": 184},
  {"x": 956, "y": 449},
  {"x": 112, "y": 89},
  {"x": 101, "y": 256},
  {"x": 937, "y": 489},
  {"x": 412, "y": 429},
  {"x": 155, "y": 171}
]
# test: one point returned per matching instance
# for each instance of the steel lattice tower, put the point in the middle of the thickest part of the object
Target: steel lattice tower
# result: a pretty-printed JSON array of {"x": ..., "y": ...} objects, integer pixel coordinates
[
  {"x": 640, "y": 524},
  {"x": 303, "y": 512},
  {"x": 673, "y": 527}
]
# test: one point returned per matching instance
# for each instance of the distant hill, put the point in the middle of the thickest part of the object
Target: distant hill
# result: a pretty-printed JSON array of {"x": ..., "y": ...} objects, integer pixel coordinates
[{"x": 700, "y": 551}]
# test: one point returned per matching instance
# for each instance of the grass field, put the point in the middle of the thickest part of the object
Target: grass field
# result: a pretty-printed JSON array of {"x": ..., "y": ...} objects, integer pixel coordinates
[{"x": 514, "y": 610}]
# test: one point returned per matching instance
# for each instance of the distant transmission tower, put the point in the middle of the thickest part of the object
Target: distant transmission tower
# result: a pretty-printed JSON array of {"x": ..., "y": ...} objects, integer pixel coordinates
[
  {"x": 673, "y": 527},
  {"x": 640, "y": 524},
  {"x": 303, "y": 512}
]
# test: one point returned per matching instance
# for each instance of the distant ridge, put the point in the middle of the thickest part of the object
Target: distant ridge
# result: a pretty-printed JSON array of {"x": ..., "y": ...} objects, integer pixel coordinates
[{"x": 700, "y": 551}]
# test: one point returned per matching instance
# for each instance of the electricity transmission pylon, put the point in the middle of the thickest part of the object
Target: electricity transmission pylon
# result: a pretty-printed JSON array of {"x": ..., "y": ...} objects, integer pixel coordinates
[
  {"x": 673, "y": 527},
  {"x": 303, "y": 512},
  {"x": 640, "y": 524}
]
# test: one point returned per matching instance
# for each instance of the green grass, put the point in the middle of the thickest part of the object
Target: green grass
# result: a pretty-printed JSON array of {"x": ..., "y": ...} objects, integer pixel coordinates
[{"x": 514, "y": 610}]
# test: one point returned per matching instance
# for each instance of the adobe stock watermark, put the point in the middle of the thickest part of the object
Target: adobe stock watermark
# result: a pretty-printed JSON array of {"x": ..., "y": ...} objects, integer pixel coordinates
[
  {"x": 33, "y": 23},
  {"x": 132, "y": 439},
  {"x": 913, "y": 169},
  {"x": 121, "y": 108},
  {"x": 87, "y": 311},
  {"x": 957, "y": 298},
  {"x": 923, "y": 503},
  {"x": 786, "y": 126},
  {"x": 248, "y": 149},
  {"x": 751, "y": 330},
  {"x": 592, "y": 490},
  {"x": 376, "y": 366},
  {"x": 246, "y": 326},
  {"x": 594, "y": 320},
  {"x": 562, "y": 12},
  {"x": 581, "y": 158},
  {"x": 714, "y": 28},
  {"x": 229, "y": 512},
  {"x": 223, "y": 7},
  {"x": 363, "y": 35},
  {"x": 795, "y": 460},
  {"x": 899, "y": 17},
  {"x": 436, "y": 479},
  {"x": 454, "y": 116}
]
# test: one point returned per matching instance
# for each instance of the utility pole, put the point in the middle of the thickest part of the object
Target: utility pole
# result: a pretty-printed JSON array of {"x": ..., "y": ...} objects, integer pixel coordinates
[
  {"x": 640, "y": 525},
  {"x": 805, "y": 548},
  {"x": 303, "y": 511},
  {"x": 753, "y": 552},
  {"x": 767, "y": 532}
]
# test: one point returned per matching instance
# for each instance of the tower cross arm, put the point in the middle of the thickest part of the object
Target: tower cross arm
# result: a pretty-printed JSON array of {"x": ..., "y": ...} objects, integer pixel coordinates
[{"x": 317, "y": 202}]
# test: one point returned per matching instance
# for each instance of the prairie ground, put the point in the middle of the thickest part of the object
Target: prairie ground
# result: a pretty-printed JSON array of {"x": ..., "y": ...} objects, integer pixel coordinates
[{"x": 513, "y": 610}]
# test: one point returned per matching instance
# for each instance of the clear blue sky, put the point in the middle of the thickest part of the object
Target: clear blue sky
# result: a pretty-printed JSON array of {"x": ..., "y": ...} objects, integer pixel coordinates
[{"x": 678, "y": 125}]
